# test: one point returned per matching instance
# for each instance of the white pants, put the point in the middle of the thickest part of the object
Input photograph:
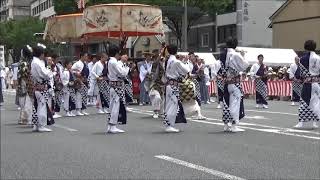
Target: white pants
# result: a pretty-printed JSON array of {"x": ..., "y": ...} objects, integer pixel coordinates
[
  {"x": 66, "y": 96},
  {"x": 234, "y": 101},
  {"x": 114, "y": 107},
  {"x": 93, "y": 89},
  {"x": 99, "y": 103},
  {"x": 172, "y": 106},
  {"x": 42, "y": 109},
  {"x": 191, "y": 108},
  {"x": 78, "y": 100},
  {"x": 26, "y": 108},
  {"x": 156, "y": 100},
  {"x": 315, "y": 99}
]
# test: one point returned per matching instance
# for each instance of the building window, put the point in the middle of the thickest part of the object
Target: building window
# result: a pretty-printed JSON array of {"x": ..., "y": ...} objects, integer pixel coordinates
[
  {"x": 205, "y": 40},
  {"x": 45, "y": 5},
  {"x": 226, "y": 31},
  {"x": 173, "y": 41}
]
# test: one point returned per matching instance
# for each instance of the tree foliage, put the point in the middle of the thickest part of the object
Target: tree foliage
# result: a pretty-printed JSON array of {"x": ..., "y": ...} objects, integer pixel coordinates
[
  {"x": 14, "y": 34},
  {"x": 65, "y": 6}
]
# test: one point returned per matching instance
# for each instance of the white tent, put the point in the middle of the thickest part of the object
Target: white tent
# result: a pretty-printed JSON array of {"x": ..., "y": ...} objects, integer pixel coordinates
[
  {"x": 272, "y": 57},
  {"x": 208, "y": 57}
]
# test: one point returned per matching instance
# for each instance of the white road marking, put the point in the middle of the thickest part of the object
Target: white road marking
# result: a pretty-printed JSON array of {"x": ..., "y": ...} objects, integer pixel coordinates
[
  {"x": 216, "y": 173},
  {"x": 268, "y": 112},
  {"x": 276, "y": 130},
  {"x": 256, "y": 117},
  {"x": 64, "y": 127},
  {"x": 272, "y": 112}
]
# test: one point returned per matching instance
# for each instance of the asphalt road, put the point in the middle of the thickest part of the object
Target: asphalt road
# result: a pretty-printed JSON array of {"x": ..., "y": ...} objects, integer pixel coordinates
[{"x": 78, "y": 148}]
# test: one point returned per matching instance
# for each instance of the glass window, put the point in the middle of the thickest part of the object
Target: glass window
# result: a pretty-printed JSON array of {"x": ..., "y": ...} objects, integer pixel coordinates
[{"x": 205, "y": 40}]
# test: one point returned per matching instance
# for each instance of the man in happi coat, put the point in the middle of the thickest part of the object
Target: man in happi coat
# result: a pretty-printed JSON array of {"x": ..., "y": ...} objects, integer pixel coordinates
[
  {"x": 93, "y": 88},
  {"x": 24, "y": 78},
  {"x": 190, "y": 90},
  {"x": 57, "y": 69},
  {"x": 219, "y": 77},
  {"x": 69, "y": 93},
  {"x": 145, "y": 74},
  {"x": 309, "y": 111},
  {"x": 99, "y": 78},
  {"x": 295, "y": 76},
  {"x": 127, "y": 80},
  {"x": 233, "y": 108},
  {"x": 259, "y": 73},
  {"x": 116, "y": 72},
  {"x": 81, "y": 70},
  {"x": 41, "y": 76},
  {"x": 157, "y": 86},
  {"x": 175, "y": 70}
]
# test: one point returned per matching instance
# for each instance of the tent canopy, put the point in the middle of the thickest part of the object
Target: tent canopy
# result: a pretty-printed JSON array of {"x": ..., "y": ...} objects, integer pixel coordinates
[
  {"x": 272, "y": 57},
  {"x": 208, "y": 57}
]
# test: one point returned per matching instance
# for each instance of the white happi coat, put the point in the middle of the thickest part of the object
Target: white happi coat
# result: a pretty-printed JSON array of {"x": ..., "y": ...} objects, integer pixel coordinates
[
  {"x": 39, "y": 74},
  {"x": 66, "y": 90},
  {"x": 292, "y": 70},
  {"x": 116, "y": 71},
  {"x": 93, "y": 88},
  {"x": 95, "y": 72},
  {"x": 175, "y": 69},
  {"x": 78, "y": 67},
  {"x": 145, "y": 68},
  {"x": 235, "y": 63},
  {"x": 314, "y": 101}
]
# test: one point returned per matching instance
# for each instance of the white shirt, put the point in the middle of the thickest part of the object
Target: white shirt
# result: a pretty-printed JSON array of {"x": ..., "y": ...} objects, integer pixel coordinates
[
  {"x": 77, "y": 67},
  {"x": 65, "y": 77},
  {"x": 215, "y": 67},
  {"x": 236, "y": 61},
  {"x": 96, "y": 70},
  {"x": 314, "y": 64},
  {"x": 15, "y": 73},
  {"x": 292, "y": 70},
  {"x": 90, "y": 66},
  {"x": 2, "y": 73},
  {"x": 39, "y": 71},
  {"x": 145, "y": 68},
  {"x": 254, "y": 69},
  {"x": 176, "y": 68},
  {"x": 116, "y": 70}
]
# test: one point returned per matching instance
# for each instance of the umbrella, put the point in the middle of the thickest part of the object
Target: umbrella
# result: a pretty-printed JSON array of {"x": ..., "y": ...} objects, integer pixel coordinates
[
  {"x": 68, "y": 28},
  {"x": 64, "y": 28}
]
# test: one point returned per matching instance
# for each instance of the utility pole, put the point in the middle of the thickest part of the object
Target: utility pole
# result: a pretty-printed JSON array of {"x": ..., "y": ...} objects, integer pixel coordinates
[{"x": 184, "y": 26}]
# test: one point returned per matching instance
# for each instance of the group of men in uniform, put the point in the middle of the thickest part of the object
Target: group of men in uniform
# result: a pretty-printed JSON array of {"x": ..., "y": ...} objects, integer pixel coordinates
[{"x": 172, "y": 84}]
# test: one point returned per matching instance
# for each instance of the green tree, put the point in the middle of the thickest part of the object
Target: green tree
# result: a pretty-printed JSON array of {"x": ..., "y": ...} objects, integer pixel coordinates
[
  {"x": 14, "y": 34},
  {"x": 65, "y": 6}
]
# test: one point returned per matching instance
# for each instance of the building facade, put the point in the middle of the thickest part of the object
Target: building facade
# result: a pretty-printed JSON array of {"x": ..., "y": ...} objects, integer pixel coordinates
[
  {"x": 249, "y": 23},
  {"x": 42, "y": 9},
  {"x": 247, "y": 20},
  {"x": 146, "y": 44},
  {"x": 14, "y": 9},
  {"x": 294, "y": 23}
]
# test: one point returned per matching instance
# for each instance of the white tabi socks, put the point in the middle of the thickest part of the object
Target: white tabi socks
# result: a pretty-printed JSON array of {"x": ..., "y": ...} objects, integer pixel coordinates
[
  {"x": 114, "y": 130},
  {"x": 171, "y": 129}
]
